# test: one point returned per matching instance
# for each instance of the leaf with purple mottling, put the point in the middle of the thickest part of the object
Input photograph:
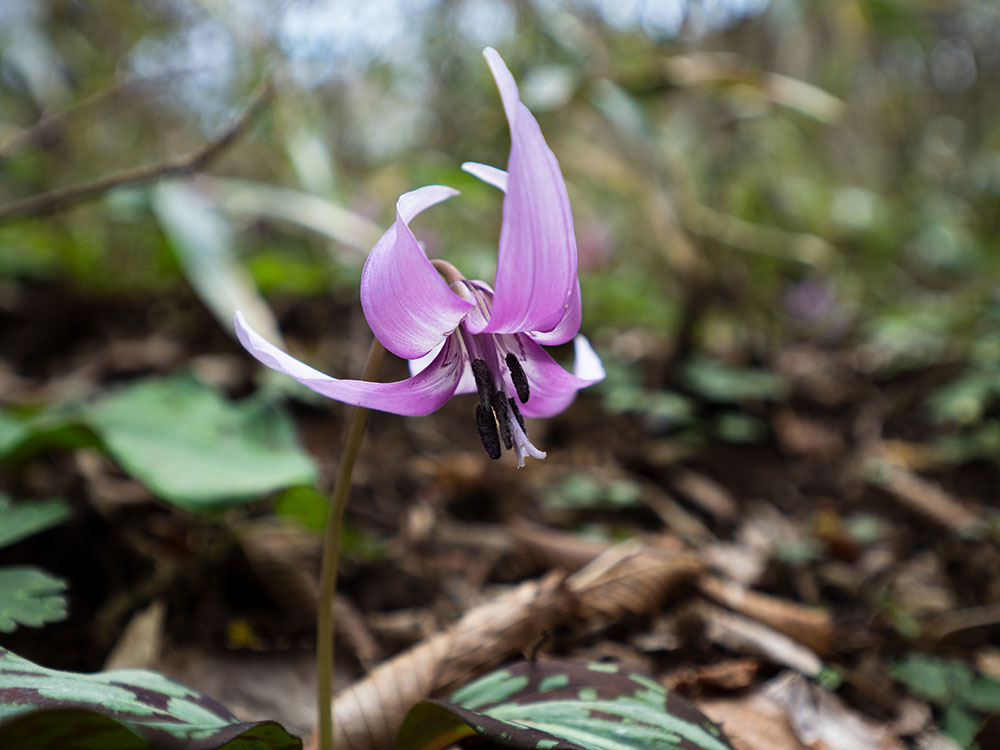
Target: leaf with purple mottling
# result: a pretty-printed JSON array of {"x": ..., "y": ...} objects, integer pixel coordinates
[
  {"x": 127, "y": 708},
  {"x": 563, "y": 706}
]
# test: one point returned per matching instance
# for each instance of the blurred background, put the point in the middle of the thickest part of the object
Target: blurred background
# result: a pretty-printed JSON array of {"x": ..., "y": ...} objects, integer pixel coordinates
[{"x": 788, "y": 217}]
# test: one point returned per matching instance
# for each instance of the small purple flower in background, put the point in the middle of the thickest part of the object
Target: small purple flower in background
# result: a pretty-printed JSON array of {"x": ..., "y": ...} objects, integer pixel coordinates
[{"x": 464, "y": 336}]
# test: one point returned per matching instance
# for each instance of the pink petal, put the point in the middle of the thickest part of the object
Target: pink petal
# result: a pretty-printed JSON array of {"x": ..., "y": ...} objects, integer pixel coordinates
[
  {"x": 536, "y": 269},
  {"x": 466, "y": 383},
  {"x": 414, "y": 397},
  {"x": 407, "y": 304},
  {"x": 568, "y": 327},
  {"x": 552, "y": 388}
]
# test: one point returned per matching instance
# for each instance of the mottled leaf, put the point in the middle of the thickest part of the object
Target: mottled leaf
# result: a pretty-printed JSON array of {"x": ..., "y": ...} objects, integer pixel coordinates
[
  {"x": 561, "y": 706},
  {"x": 128, "y": 708},
  {"x": 196, "y": 449},
  {"x": 31, "y": 597},
  {"x": 21, "y": 520}
]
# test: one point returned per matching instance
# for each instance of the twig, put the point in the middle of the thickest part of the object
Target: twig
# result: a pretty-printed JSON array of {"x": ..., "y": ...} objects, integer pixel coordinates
[
  {"x": 59, "y": 199},
  {"x": 41, "y": 129}
]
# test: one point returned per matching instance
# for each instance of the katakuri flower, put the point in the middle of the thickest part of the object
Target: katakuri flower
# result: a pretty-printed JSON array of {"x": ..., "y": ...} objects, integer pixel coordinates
[{"x": 461, "y": 335}]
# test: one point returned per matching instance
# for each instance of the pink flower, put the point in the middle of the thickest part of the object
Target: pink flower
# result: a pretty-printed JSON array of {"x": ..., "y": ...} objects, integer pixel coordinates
[{"x": 464, "y": 336}]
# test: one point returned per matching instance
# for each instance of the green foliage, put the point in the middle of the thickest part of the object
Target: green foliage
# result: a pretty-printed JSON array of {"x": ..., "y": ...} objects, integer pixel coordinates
[
  {"x": 955, "y": 687},
  {"x": 131, "y": 709},
  {"x": 29, "y": 596},
  {"x": 731, "y": 385},
  {"x": 562, "y": 706},
  {"x": 585, "y": 491},
  {"x": 310, "y": 508},
  {"x": 306, "y": 505},
  {"x": 181, "y": 438},
  {"x": 194, "y": 448},
  {"x": 29, "y": 517}
]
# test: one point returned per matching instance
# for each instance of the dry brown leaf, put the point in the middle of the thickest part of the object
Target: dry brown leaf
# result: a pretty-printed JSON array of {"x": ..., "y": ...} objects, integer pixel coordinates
[
  {"x": 708, "y": 494},
  {"x": 924, "y": 497},
  {"x": 369, "y": 712},
  {"x": 746, "y": 636},
  {"x": 820, "y": 719},
  {"x": 139, "y": 645},
  {"x": 807, "y": 625},
  {"x": 809, "y": 438},
  {"x": 946, "y": 624},
  {"x": 556, "y": 549},
  {"x": 627, "y": 579},
  {"x": 675, "y": 516},
  {"x": 752, "y": 722},
  {"x": 733, "y": 674}
]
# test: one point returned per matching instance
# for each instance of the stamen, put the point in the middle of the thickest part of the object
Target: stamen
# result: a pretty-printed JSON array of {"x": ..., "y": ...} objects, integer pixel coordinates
[
  {"x": 484, "y": 382},
  {"x": 518, "y": 378},
  {"x": 488, "y": 431},
  {"x": 503, "y": 418},
  {"x": 517, "y": 415}
]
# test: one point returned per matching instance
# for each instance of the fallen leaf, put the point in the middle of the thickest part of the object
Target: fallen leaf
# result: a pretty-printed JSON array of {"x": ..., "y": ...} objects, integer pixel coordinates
[{"x": 820, "y": 719}]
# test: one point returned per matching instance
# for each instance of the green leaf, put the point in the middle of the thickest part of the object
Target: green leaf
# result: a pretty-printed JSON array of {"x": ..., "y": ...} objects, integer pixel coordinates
[
  {"x": 961, "y": 724},
  {"x": 984, "y": 695},
  {"x": 306, "y": 505},
  {"x": 31, "y": 597},
  {"x": 937, "y": 680},
  {"x": 129, "y": 708},
  {"x": 13, "y": 431},
  {"x": 583, "y": 491},
  {"x": 734, "y": 427},
  {"x": 722, "y": 384},
  {"x": 196, "y": 449},
  {"x": 55, "y": 426},
  {"x": 562, "y": 706},
  {"x": 964, "y": 400},
  {"x": 21, "y": 520}
]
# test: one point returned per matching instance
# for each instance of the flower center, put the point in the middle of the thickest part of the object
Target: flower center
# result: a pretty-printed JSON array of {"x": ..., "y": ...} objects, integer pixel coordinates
[{"x": 497, "y": 371}]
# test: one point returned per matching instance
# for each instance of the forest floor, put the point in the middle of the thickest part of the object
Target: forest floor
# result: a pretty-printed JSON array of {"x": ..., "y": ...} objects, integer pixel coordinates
[{"x": 827, "y": 580}]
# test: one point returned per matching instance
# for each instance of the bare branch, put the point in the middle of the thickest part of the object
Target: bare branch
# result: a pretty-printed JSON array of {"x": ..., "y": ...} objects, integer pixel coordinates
[
  {"x": 44, "y": 128},
  {"x": 62, "y": 198}
]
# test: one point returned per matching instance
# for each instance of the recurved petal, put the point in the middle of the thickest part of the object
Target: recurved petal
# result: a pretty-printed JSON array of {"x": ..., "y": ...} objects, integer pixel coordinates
[
  {"x": 490, "y": 175},
  {"x": 466, "y": 383},
  {"x": 552, "y": 388},
  {"x": 566, "y": 328},
  {"x": 407, "y": 304},
  {"x": 536, "y": 268},
  {"x": 414, "y": 397}
]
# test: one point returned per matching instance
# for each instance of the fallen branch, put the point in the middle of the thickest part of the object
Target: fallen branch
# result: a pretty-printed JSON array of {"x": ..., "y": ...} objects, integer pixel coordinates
[{"x": 62, "y": 198}]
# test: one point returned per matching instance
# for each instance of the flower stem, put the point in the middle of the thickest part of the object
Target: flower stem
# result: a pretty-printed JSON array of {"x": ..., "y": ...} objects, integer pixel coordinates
[{"x": 331, "y": 557}]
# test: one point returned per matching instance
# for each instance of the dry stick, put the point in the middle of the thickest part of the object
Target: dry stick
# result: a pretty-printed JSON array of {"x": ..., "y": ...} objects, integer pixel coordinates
[
  {"x": 331, "y": 557},
  {"x": 56, "y": 200}
]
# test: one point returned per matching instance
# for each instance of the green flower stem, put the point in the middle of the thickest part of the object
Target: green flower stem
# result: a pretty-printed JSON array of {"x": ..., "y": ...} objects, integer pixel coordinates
[{"x": 331, "y": 557}]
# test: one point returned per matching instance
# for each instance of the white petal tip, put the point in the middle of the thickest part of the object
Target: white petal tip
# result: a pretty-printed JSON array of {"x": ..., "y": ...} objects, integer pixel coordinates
[
  {"x": 490, "y": 175},
  {"x": 587, "y": 365}
]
